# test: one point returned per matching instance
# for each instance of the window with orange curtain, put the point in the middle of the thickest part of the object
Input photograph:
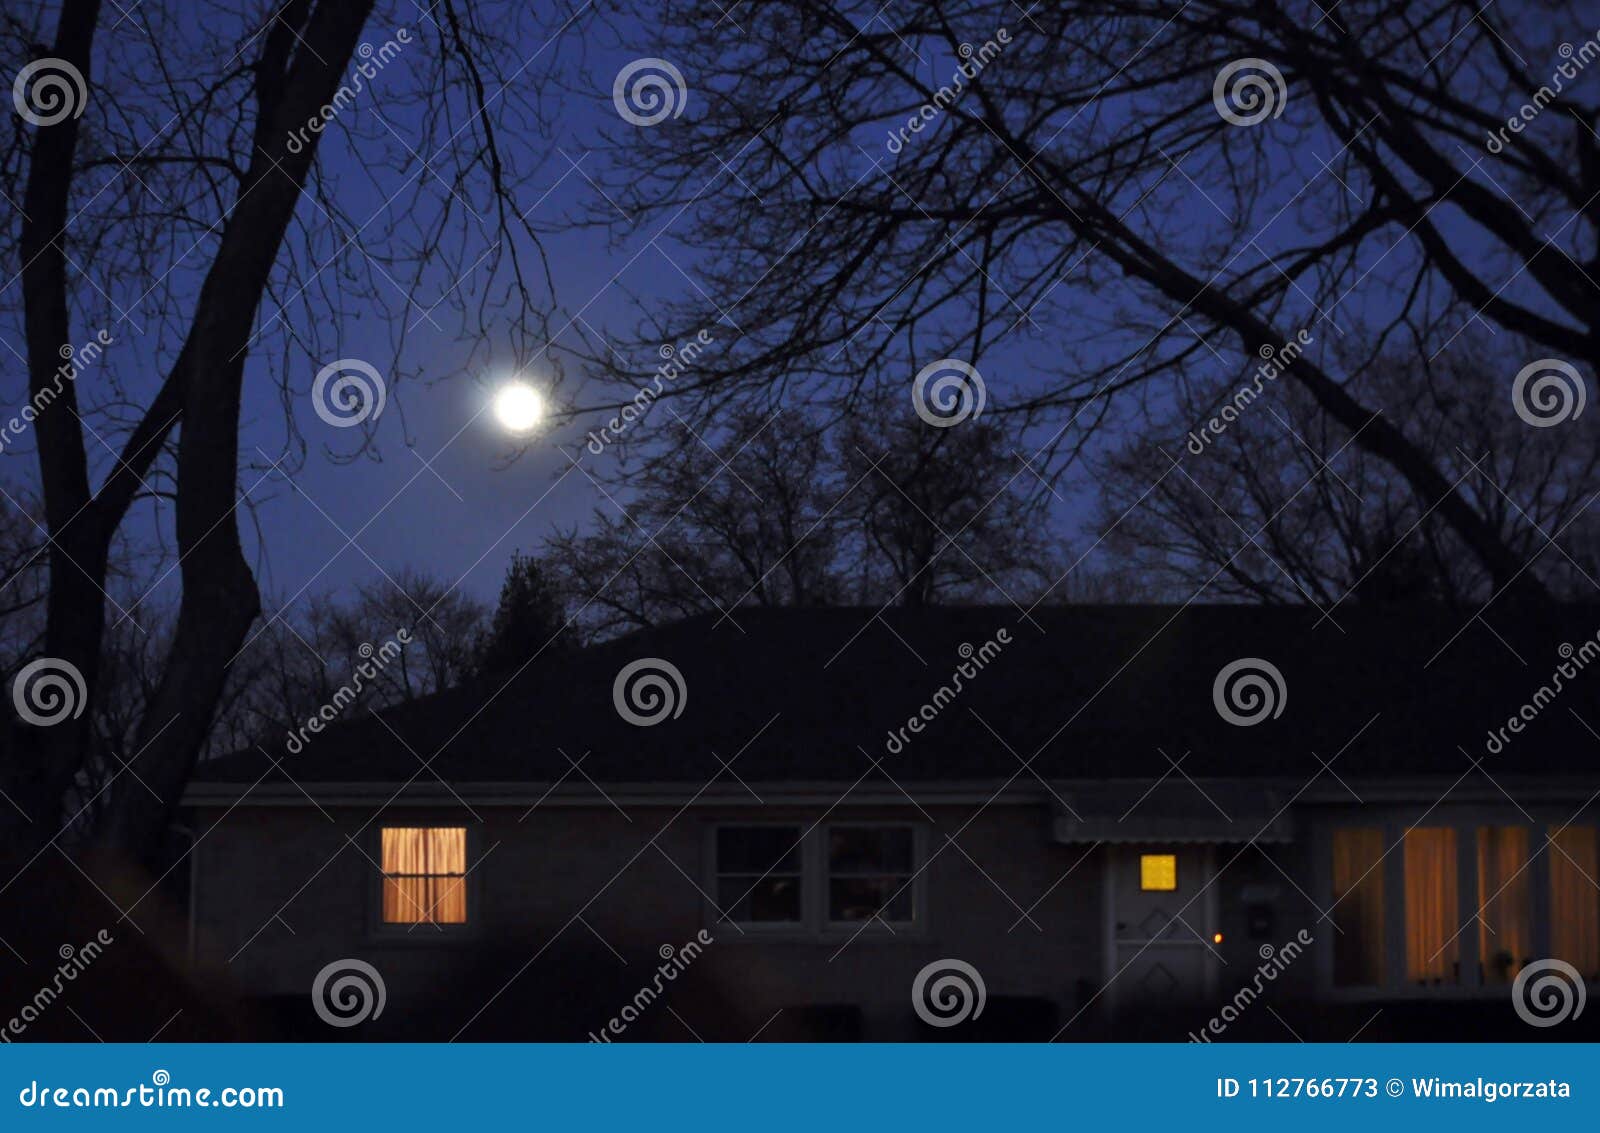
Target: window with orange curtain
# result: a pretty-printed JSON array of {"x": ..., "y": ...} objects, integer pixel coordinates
[
  {"x": 1358, "y": 908},
  {"x": 1433, "y": 911},
  {"x": 424, "y": 875},
  {"x": 1574, "y": 856},
  {"x": 1505, "y": 916}
]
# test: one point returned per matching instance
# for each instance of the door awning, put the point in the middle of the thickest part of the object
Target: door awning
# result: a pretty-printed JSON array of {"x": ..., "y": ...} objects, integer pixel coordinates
[{"x": 1174, "y": 809}]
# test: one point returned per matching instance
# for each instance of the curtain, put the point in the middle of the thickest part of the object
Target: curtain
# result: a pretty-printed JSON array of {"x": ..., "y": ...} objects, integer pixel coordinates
[
  {"x": 1432, "y": 905},
  {"x": 1574, "y": 855},
  {"x": 1358, "y": 908},
  {"x": 424, "y": 875},
  {"x": 1505, "y": 925}
]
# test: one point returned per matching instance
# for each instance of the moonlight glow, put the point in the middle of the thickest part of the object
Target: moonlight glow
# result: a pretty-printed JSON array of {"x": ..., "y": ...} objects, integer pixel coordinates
[{"x": 518, "y": 407}]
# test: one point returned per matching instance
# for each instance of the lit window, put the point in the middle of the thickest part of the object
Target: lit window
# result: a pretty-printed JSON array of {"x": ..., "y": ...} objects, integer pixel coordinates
[
  {"x": 1574, "y": 855},
  {"x": 1505, "y": 923},
  {"x": 1158, "y": 873},
  {"x": 424, "y": 875},
  {"x": 870, "y": 873},
  {"x": 759, "y": 874},
  {"x": 1433, "y": 915},
  {"x": 1358, "y": 908}
]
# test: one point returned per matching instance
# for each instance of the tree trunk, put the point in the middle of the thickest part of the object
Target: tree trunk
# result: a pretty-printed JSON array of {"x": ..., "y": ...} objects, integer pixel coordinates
[
  {"x": 220, "y": 599},
  {"x": 42, "y": 761}
]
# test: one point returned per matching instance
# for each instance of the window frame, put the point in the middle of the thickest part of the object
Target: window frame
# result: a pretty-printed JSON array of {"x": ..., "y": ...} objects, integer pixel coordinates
[
  {"x": 1172, "y": 860},
  {"x": 915, "y": 879},
  {"x": 714, "y": 879},
  {"x": 423, "y": 932},
  {"x": 1465, "y": 819},
  {"x": 815, "y": 878},
  {"x": 1378, "y": 871},
  {"x": 1549, "y": 863}
]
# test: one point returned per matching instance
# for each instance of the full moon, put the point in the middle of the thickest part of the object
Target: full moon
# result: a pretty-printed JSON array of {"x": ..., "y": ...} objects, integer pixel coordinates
[{"x": 518, "y": 407}]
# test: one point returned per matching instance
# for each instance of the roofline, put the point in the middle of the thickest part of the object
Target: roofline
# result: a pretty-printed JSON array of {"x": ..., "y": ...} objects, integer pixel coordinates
[
  {"x": 1359, "y": 791},
  {"x": 525, "y": 794}
]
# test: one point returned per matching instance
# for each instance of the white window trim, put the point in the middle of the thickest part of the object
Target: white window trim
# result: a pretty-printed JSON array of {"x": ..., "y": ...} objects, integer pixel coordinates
[
  {"x": 716, "y": 921},
  {"x": 814, "y": 884},
  {"x": 918, "y": 890}
]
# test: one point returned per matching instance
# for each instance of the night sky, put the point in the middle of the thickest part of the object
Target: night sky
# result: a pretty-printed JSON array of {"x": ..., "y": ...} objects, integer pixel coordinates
[{"x": 441, "y": 488}]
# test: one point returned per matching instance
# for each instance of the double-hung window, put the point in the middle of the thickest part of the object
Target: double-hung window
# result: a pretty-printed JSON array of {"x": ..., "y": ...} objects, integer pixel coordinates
[
  {"x": 810, "y": 879},
  {"x": 870, "y": 872},
  {"x": 424, "y": 875},
  {"x": 760, "y": 879}
]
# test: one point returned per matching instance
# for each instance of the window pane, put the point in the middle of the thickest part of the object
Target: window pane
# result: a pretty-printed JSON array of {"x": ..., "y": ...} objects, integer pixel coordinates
[
  {"x": 1574, "y": 855},
  {"x": 1433, "y": 914},
  {"x": 424, "y": 868},
  {"x": 757, "y": 849},
  {"x": 1505, "y": 927},
  {"x": 754, "y": 900},
  {"x": 861, "y": 898},
  {"x": 424, "y": 900},
  {"x": 869, "y": 849},
  {"x": 1158, "y": 873},
  {"x": 434, "y": 849},
  {"x": 1358, "y": 908}
]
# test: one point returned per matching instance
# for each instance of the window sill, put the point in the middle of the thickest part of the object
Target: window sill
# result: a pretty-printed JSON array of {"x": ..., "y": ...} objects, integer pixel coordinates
[
  {"x": 1420, "y": 994},
  {"x": 806, "y": 934},
  {"x": 423, "y": 936}
]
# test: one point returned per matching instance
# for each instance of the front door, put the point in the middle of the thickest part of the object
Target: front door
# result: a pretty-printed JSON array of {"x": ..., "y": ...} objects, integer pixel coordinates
[{"x": 1162, "y": 912}]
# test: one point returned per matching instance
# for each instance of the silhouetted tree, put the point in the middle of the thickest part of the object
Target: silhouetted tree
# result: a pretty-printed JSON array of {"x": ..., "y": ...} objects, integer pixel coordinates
[
  {"x": 168, "y": 190},
  {"x": 529, "y": 621},
  {"x": 304, "y": 651},
  {"x": 1281, "y": 507},
  {"x": 942, "y": 514},
  {"x": 1084, "y": 181},
  {"x": 784, "y": 509}
]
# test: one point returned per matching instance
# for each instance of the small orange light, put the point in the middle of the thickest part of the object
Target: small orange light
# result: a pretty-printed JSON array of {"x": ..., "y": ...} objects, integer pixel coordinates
[{"x": 1216, "y": 938}]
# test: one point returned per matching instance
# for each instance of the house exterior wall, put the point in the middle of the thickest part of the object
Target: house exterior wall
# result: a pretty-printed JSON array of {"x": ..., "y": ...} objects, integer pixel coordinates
[
  {"x": 571, "y": 907},
  {"x": 563, "y": 898}
]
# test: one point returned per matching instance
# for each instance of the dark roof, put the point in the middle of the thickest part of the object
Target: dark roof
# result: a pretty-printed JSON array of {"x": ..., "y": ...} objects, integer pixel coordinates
[{"x": 1097, "y": 691}]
